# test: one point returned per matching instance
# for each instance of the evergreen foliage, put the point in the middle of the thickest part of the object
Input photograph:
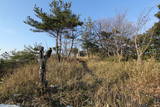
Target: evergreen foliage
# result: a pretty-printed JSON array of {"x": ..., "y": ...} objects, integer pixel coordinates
[{"x": 59, "y": 19}]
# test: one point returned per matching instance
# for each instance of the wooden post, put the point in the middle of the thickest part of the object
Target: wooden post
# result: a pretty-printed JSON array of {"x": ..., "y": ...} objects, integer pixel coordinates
[{"x": 42, "y": 62}]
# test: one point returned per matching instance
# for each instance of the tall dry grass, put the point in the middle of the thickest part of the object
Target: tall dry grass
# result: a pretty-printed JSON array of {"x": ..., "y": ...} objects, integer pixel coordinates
[
  {"x": 115, "y": 84},
  {"x": 135, "y": 85}
]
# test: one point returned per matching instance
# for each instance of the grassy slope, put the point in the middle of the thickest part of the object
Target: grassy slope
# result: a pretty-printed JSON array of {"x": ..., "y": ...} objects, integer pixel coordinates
[{"x": 93, "y": 83}]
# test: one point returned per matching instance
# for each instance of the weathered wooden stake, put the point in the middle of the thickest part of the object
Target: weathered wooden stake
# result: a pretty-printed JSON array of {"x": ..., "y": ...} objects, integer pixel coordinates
[{"x": 42, "y": 62}]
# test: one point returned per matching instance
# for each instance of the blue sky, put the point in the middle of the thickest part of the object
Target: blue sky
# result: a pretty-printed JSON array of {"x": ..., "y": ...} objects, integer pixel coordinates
[{"x": 14, "y": 34}]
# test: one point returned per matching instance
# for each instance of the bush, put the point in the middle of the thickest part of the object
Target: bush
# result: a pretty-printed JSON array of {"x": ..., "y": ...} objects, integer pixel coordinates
[{"x": 14, "y": 59}]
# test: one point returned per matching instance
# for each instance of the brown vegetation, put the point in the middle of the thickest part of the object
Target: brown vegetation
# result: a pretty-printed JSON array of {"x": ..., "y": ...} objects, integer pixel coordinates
[{"x": 118, "y": 84}]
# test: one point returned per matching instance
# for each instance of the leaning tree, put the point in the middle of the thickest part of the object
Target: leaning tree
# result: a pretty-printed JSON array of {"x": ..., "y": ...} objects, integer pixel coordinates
[{"x": 59, "y": 19}]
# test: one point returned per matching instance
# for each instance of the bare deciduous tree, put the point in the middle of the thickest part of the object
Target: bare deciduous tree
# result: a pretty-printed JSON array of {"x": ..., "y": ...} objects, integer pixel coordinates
[
  {"x": 140, "y": 25},
  {"x": 113, "y": 34}
]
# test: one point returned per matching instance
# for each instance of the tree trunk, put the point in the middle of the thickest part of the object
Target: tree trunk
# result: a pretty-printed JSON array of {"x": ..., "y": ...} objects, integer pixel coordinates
[
  {"x": 42, "y": 69},
  {"x": 60, "y": 44},
  {"x": 139, "y": 58},
  {"x": 57, "y": 48},
  {"x": 71, "y": 48}
]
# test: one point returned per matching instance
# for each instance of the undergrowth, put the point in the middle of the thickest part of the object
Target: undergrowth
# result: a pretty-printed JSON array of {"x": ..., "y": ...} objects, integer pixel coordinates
[{"x": 99, "y": 83}]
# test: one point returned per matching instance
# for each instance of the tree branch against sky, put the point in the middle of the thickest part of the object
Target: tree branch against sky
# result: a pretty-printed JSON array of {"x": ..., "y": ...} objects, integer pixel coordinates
[{"x": 142, "y": 21}]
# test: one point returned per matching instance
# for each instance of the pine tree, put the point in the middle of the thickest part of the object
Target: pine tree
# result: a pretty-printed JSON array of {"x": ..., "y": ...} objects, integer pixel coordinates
[
  {"x": 59, "y": 19},
  {"x": 88, "y": 37}
]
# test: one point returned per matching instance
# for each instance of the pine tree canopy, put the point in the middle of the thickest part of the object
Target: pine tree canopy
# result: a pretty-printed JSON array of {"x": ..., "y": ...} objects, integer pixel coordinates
[{"x": 59, "y": 18}]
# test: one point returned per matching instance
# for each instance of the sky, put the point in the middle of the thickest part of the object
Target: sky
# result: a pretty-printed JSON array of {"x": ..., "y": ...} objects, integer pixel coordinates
[{"x": 14, "y": 34}]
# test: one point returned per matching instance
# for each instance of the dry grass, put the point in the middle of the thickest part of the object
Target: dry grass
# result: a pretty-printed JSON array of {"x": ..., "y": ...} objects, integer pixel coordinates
[
  {"x": 139, "y": 83},
  {"x": 22, "y": 81},
  {"x": 123, "y": 84}
]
